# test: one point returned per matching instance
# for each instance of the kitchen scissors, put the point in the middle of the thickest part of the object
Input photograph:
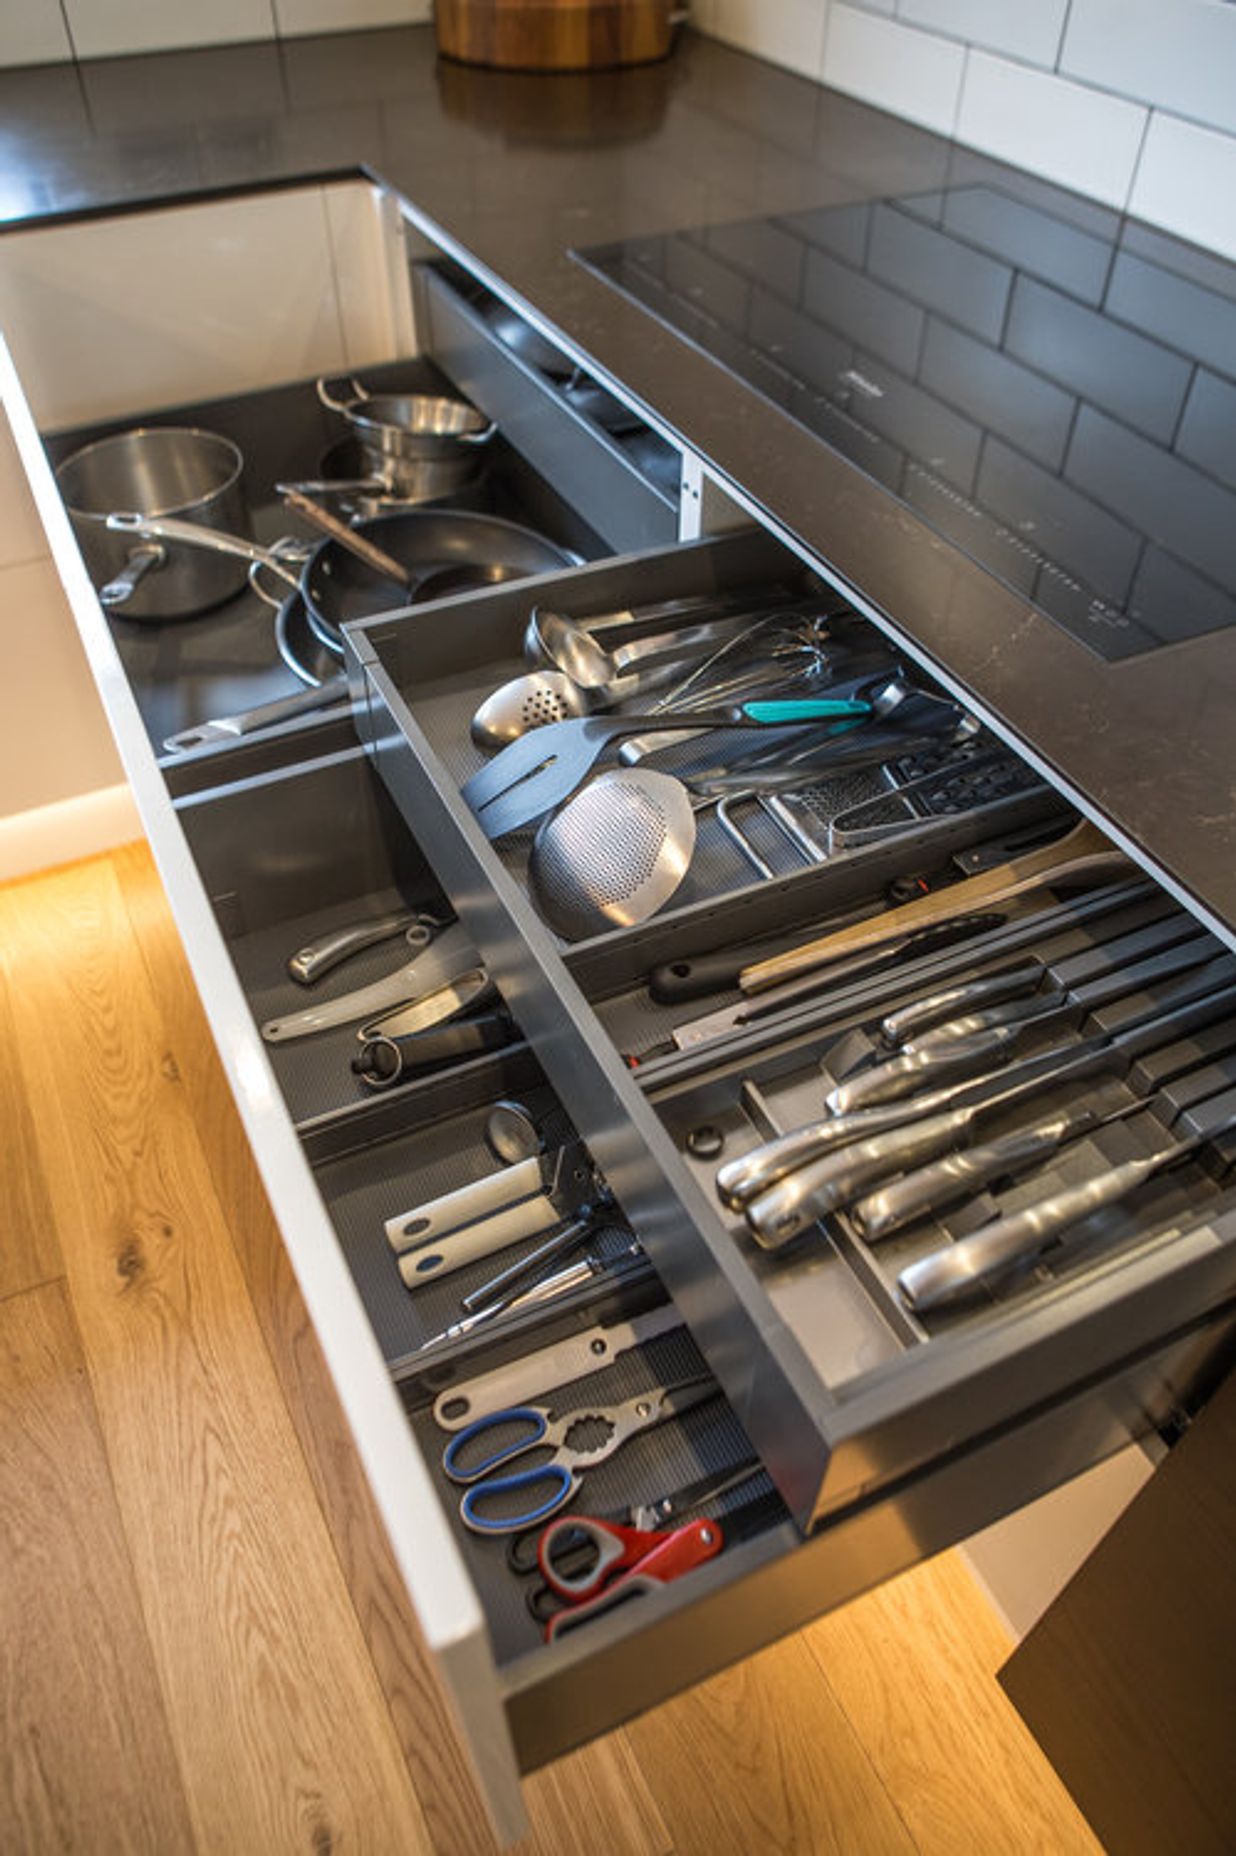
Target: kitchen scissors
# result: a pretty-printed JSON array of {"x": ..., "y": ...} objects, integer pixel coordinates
[
  {"x": 550, "y": 1485},
  {"x": 624, "y": 1561}
]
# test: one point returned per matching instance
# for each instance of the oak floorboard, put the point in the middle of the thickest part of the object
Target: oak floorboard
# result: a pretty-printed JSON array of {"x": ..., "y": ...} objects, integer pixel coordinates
[
  {"x": 761, "y": 1758},
  {"x": 913, "y": 1665},
  {"x": 599, "y": 1783},
  {"x": 29, "y": 1252},
  {"x": 86, "y": 1758},
  {"x": 242, "y": 1597}
]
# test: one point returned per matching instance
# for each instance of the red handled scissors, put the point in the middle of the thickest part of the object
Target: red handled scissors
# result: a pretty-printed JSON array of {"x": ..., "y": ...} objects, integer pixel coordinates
[{"x": 625, "y": 1562}]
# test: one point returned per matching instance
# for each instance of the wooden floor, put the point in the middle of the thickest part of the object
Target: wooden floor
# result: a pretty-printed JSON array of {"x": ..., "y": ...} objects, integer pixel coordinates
[{"x": 181, "y": 1667}]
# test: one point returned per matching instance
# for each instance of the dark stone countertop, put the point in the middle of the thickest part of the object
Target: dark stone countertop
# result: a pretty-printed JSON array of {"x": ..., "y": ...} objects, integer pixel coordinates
[{"x": 513, "y": 172}]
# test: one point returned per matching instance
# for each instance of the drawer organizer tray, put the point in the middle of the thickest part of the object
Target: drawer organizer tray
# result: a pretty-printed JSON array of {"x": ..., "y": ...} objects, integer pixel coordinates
[{"x": 842, "y": 1394}]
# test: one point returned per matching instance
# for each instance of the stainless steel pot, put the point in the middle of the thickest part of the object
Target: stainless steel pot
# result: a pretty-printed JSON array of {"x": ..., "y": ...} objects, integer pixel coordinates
[
  {"x": 424, "y": 444},
  {"x": 351, "y": 482},
  {"x": 158, "y": 472}
]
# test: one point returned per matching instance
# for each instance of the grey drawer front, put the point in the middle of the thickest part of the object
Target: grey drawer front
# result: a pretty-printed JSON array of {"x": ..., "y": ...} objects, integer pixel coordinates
[{"x": 584, "y": 463}]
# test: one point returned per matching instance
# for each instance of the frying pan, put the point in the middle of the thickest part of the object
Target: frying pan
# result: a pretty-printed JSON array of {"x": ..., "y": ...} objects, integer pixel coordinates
[{"x": 336, "y": 586}]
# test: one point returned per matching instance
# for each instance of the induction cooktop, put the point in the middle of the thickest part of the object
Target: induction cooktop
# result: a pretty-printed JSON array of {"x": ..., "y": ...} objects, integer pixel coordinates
[{"x": 1060, "y": 402}]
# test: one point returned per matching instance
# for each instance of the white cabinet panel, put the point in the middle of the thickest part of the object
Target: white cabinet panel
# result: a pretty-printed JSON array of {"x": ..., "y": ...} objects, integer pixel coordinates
[
  {"x": 294, "y": 18},
  {"x": 894, "y": 67},
  {"x": 21, "y": 532},
  {"x": 110, "y": 28},
  {"x": 371, "y": 275},
  {"x": 1068, "y": 133},
  {"x": 155, "y": 308},
  {"x": 789, "y": 34},
  {"x": 32, "y": 32},
  {"x": 54, "y": 741}
]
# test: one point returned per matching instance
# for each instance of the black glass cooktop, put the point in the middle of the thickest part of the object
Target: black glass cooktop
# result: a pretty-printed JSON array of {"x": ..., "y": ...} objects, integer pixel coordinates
[{"x": 1058, "y": 402}]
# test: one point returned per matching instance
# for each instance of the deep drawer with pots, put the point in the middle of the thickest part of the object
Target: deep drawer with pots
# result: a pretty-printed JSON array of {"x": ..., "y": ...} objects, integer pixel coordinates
[
  {"x": 879, "y": 1435},
  {"x": 845, "y": 1391},
  {"x": 269, "y": 644}
]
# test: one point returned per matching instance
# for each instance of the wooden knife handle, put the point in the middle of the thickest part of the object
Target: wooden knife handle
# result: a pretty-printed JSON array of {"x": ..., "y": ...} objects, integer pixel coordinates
[
  {"x": 1084, "y": 852},
  {"x": 347, "y": 537}
]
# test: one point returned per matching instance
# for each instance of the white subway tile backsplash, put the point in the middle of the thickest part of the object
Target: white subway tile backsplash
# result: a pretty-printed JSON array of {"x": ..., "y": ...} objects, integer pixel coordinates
[
  {"x": 1065, "y": 131},
  {"x": 791, "y": 33},
  {"x": 1179, "y": 54},
  {"x": 32, "y": 32},
  {"x": 1031, "y": 33},
  {"x": 893, "y": 66},
  {"x": 1186, "y": 182},
  {"x": 298, "y": 18},
  {"x": 111, "y": 28}
]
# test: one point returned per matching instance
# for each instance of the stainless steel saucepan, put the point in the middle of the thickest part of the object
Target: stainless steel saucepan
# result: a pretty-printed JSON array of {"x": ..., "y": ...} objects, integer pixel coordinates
[
  {"x": 422, "y": 445},
  {"x": 163, "y": 473}
]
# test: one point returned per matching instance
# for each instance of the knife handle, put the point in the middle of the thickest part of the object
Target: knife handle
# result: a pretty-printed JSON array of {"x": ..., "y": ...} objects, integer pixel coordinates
[
  {"x": 427, "y": 1223},
  {"x": 471, "y": 1242},
  {"x": 973, "y": 1263},
  {"x": 957, "y": 1176},
  {"x": 835, "y": 1179},
  {"x": 742, "y": 1179},
  {"x": 969, "y": 996},
  {"x": 923, "y": 1066}
]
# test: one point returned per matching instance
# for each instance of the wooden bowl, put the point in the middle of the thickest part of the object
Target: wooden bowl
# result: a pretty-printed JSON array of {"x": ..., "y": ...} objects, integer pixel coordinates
[{"x": 553, "y": 35}]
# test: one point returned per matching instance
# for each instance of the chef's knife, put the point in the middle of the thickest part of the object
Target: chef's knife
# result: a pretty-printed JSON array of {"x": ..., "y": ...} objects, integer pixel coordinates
[
  {"x": 966, "y": 1044},
  {"x": 836, "y": 1179},
  {"x": 744, "y": 1178},
  {"x": 968, "y": 1267}
]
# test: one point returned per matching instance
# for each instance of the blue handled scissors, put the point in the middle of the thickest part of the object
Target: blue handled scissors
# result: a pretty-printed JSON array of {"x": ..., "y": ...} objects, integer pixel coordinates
[{"x": 550, "y": 1485}]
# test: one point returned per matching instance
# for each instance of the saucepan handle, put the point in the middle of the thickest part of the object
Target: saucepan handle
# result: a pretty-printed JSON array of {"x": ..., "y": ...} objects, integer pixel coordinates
[
  {"x": 344, "y": 406},
  {"x": 193, "y": 535},
  {"x": 139, "y": 563}
]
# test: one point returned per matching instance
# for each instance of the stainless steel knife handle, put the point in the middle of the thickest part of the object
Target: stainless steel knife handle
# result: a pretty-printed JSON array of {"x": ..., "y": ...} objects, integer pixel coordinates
[
  {"x": 826, "y": 1184},
  {"x": 921, "y": 1066},
  {"x": 969, "y": 1266},
  {"x": 930, "y": 1188},
  {"x": 971, "y": 995},
  {"x": 310, "y": 962},
  {"x": 742, "y": 1179}
]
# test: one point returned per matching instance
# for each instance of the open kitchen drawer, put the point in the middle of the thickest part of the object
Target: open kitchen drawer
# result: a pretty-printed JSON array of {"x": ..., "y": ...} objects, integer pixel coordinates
[
  {"x": 885, "y": 1443},
  {"x": 848, "y": 1400}
]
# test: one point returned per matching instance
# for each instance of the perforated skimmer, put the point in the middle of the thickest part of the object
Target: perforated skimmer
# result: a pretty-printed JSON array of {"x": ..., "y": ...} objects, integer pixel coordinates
[{"x": 614, "y": 854}]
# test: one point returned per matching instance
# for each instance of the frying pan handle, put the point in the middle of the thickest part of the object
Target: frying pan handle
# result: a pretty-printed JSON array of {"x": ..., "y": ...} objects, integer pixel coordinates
[
  {"x": 193, "y": 535},
  {"x": 139, "y": 563},
  {"x": 343, "y": 406}
]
